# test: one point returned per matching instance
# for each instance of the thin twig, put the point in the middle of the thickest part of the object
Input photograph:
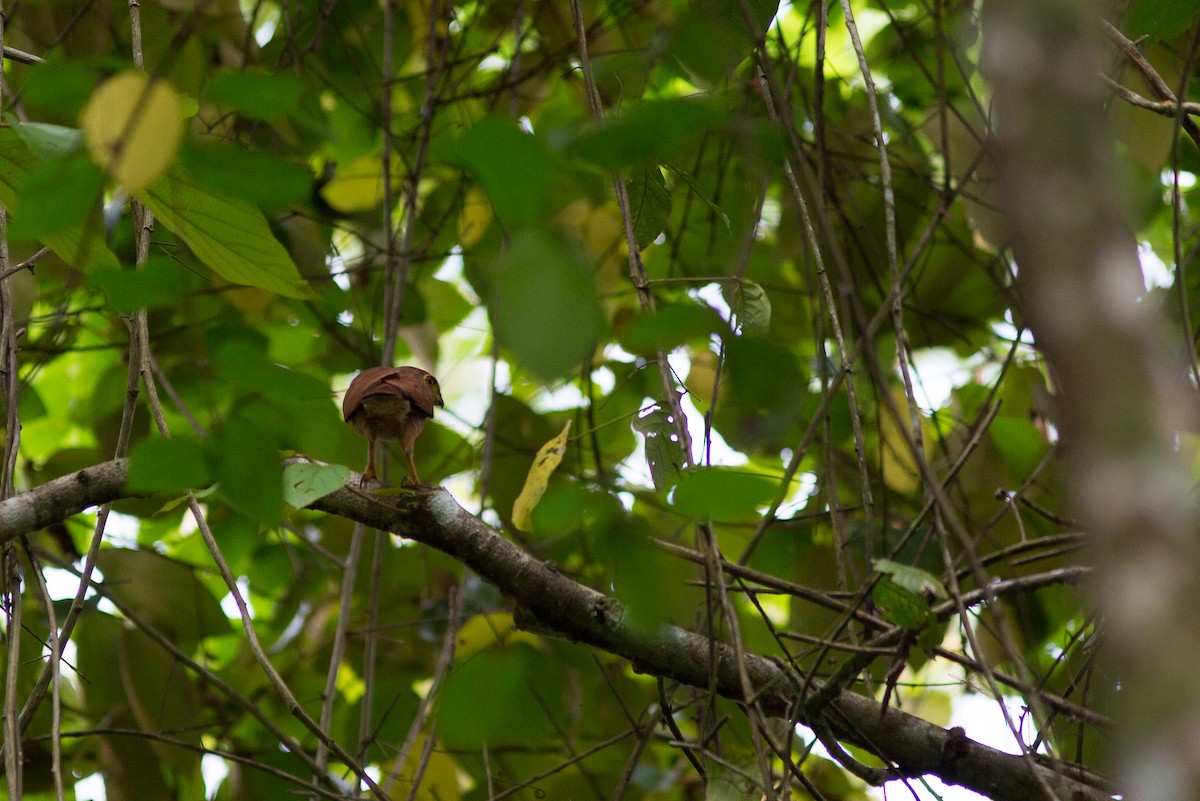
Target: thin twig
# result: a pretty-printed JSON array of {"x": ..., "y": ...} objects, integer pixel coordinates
[
  {"x": 254, "y": 710},
  {"x": 371, "y": 642},
  {"x": 1152, "y": 78},
  {"x": 637, "y": 271},
  {"x": 28, "y": 264},
  {"x": 281, "y": 687},
  {"x": 55, "y": 677},
  {"x": 338, "y": 648},
  {"x": 21, "y": 56},
  {"x": 445, "y": 661},
  {"x": 13, "y": 754},
  {"x": 400, "y": 259}
]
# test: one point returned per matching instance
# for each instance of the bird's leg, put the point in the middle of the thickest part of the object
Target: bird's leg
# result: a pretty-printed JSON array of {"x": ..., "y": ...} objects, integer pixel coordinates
[
  {"x": 369, "y": 472},
  {"x": 413, "y": 480}
]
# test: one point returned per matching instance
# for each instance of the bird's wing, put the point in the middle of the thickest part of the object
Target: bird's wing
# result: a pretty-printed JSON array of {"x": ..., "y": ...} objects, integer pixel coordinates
[
  {"x": 410, "y": 384},
  {"x": 365, "y": 384}
]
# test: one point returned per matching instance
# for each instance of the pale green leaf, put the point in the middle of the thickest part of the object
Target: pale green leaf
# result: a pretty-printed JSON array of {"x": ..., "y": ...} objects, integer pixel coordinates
[
  {"x": 752, "y": 308},
  {"x": 45, "y": 140},
  {"x": 230, "y": 236},
  {"x": 306, "y": 482},
  {"x": 132, "y": 125},
  {"x": 913, "y": 579},
  {"x": 664, "y": 454}
]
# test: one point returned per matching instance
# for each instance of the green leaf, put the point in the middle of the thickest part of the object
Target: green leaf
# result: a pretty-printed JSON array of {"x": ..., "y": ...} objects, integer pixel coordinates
[
  {"x": 671, "y": 326},
  {"x": 306, "y": 482},
  {"x": 715, "y": 36},
  {"x": 913, "y": 579},
  {"x": 156, "y": 284},
  {"x": 264, "y": 96},
  {"x": 230, "y": 236},
  {"x": 901, "y": 605},
  {"x": 222, "y": 168},
  {"x": 247, "y": 465},
  {"x": 544, "y": 303},
  {"x": 444, "y": 304},
  {"x": 729, "y": 784},
  {"x": 752, "y": 309},
  {"x": 635, "y": 571},
  {"x": 568, "y": 507},
  {"x": 245, "y": 366},
  {"x": 132, "y": 766},
  {"x": 60, "y": 86},
  {"x": 81, "y": 246},
  {"x": 45, "y": 140},
  {"x": 649, "y": 205},
  {"x": 164, "y": 592},
  {"x": 57, "y": 196},
  {"x": 512, "y": 166},
  {"x": 651, "y": 132},
  {"x": 762, "y": 394},
  {"x": 167, "y": 465},
  {"x": 1160, "y": 19},
  {"x": 722, "y": 493},
  {"x": 500, "y": 697},
  {"x": 1020, "y": 443},
  {"x": 664, "y": 453},
  {"x": 161, "y": 696}
]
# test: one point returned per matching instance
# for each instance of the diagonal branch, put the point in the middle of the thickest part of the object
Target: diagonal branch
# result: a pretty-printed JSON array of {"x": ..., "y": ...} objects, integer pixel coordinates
[{"x": 558, "y": 604}]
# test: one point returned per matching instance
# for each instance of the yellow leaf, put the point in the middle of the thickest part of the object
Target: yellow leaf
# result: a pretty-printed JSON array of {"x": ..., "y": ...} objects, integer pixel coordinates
[
  {"x": 439, "y": 781},
  {"x": 358, "y": 186},
  {"x": 603, "y": 232},
  {"x": 133, "y": 126},
  {"x": 248, "y": 299},
  {"x": 485, "y": 630},
  {"x": 475, "y": 218},
  {"x": 702, "y": 375},
  {"x": 930, "y": 705},
  {"x": 547, "y": 460},
  {"x": 899, "y": 465}
]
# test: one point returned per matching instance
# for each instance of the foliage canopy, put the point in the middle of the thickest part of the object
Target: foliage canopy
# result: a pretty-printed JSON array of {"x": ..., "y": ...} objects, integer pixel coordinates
[{"x": 748, "y": 259}]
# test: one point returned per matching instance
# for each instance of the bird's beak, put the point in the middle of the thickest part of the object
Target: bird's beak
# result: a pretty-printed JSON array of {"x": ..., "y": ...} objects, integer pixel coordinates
[{"x": 438, "y": 401}]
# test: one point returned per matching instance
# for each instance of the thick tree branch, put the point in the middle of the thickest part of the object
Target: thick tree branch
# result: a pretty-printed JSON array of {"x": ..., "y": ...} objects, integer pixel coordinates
[{"x": 565, "y": 607}]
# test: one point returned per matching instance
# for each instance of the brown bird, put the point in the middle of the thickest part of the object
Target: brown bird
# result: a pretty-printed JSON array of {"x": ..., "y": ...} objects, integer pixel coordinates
[{"x": 391, "y": 403}]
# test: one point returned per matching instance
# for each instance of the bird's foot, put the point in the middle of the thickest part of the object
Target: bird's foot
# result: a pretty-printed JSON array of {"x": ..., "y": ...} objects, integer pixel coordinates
[{"x": 408, "y": 482}]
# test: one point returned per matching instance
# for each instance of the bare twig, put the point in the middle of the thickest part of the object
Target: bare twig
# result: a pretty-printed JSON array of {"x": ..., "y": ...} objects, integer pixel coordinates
[
  {"x": 1155, "y": 81},
  {"x": 637, "y": 271},
  {"x": 28, "y": 264}
]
